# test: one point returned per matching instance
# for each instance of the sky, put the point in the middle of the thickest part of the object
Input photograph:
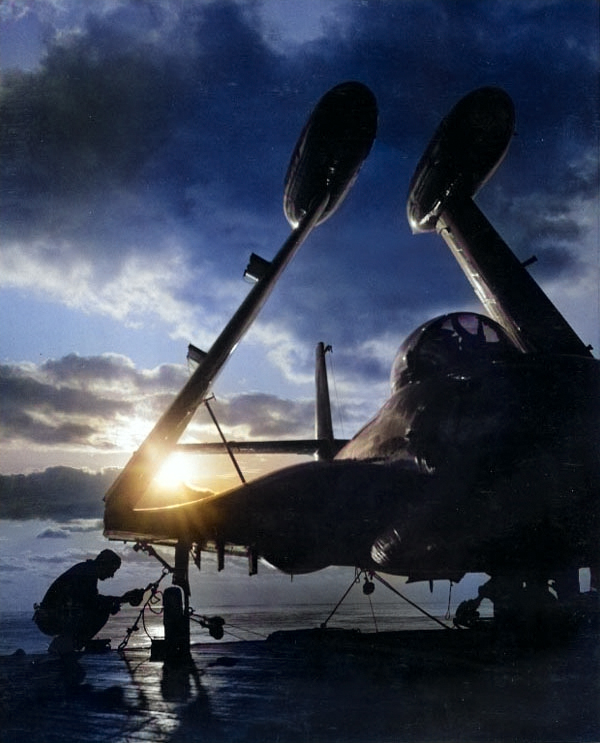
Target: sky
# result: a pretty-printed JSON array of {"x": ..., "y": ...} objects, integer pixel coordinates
[{"x": 143, "y": 150}]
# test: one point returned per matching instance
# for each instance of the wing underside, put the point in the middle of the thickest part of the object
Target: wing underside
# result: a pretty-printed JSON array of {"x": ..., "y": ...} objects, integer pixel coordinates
[{"x": 290, "y": 517}]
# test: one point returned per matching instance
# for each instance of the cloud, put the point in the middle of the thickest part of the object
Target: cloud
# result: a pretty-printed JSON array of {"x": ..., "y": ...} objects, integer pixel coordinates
[
  {"x": 82, "y": 526},
  {"x": 51, "y": 533},
  {"x": 267, "y": 416},
  {"x": 104, "y": 404},
  {"x": 557, "y": 222},
  {"x": 74, "y": 526},
  {"x": 143, "y": 160},
  {"x": 129, "y": 153},
  {"x": 59, "y": 493},
  {"x": 6, "y": 567},
  {"x": 118, "y": 149},
  {"x": 96, "y": 403}
]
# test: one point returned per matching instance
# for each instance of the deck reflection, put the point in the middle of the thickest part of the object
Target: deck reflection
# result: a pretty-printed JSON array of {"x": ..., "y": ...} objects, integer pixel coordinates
[{"x": 313, "y": 686}]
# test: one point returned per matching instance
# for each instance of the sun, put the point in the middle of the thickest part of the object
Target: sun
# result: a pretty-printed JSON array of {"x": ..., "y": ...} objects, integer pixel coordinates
[{"x": 177, "y": 470}]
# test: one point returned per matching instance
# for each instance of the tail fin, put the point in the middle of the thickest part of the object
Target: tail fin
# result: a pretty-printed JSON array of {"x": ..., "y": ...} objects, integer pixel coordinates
[{"x": 323, "y": 424}]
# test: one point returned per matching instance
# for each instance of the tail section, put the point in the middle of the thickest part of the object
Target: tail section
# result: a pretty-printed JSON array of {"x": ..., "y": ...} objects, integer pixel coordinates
[{"x": 323, "y": 424}]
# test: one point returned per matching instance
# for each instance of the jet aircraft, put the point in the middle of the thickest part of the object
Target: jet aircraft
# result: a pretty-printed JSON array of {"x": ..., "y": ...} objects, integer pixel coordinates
[{"x": 486, "y": 456}]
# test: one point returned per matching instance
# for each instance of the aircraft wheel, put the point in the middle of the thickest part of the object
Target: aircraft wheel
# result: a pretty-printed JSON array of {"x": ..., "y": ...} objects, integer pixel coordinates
[{"x": 176, "y": 624}]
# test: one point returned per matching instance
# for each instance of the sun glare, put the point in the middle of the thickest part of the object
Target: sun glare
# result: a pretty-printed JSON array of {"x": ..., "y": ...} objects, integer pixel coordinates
[
  {"x": 178, "y": 470},
  {"x": 130, "y": 433}
]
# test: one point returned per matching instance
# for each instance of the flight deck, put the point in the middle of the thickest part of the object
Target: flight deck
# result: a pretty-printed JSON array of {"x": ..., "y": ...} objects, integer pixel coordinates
[{"x": 312, "y": 685}]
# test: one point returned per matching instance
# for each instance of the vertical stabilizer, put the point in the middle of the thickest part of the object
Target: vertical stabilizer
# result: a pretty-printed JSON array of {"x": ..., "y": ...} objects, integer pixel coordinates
[{"x": 323, "y": 424}]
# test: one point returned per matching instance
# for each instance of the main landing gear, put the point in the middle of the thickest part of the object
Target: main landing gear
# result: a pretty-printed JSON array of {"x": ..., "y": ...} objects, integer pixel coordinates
[
  {"x": 177, "y": 613},
  {"x": 530, "y": 608}
]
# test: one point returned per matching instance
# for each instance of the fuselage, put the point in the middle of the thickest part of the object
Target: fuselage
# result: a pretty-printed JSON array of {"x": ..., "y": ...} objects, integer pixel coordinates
[{"x": 511, "y": 442}]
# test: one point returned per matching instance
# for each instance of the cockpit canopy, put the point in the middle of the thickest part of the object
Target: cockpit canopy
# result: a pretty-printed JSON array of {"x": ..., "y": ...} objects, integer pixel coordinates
[{"x": 450, "y": 343}]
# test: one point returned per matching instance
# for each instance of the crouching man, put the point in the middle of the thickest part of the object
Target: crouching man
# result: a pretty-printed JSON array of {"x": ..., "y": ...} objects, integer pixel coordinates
[{"x": 72, "y": 611}]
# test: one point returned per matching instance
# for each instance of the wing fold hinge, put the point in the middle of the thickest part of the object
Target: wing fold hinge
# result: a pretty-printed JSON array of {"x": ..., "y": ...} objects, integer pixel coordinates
[{"x": 256, "y": 269}]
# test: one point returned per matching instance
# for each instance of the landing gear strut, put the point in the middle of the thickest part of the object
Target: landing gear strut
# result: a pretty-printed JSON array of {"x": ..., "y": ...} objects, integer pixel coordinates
[{"x": 177, "y": 613}]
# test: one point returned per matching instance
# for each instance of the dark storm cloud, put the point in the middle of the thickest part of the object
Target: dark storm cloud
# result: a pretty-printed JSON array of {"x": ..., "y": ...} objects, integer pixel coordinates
[
  {"x": 111, "y": 370},
  {"x": 268, "y": 416},
  {"x": 81, "y": 401},
  {"x": 547, "y": 221},
  {"x": 160, "y": 105},
  {"x": 159, "y": 124},
  {"x": 45, "y": 413},
  {"x": 111, "y": 110},
  {"x": 89, "y": 401},
  {"x": 20, "y": 387},
  {"x": 59, "y": 493},
  {"x": 533, "y": 198}
]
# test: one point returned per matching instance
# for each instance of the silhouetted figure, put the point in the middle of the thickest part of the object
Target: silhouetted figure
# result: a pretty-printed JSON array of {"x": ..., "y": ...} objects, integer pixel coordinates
[{"x": 73, "y": 611}]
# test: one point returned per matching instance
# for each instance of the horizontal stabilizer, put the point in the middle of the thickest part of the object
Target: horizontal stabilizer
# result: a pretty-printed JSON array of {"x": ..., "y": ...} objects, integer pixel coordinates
[{"x": 292, "y": 446}]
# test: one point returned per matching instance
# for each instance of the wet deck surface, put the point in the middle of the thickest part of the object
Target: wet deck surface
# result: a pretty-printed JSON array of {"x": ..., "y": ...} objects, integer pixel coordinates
[{"x": 312, "y": 686}]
